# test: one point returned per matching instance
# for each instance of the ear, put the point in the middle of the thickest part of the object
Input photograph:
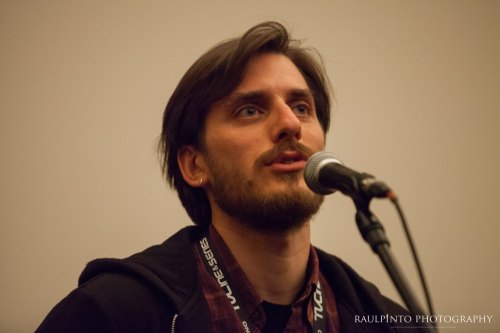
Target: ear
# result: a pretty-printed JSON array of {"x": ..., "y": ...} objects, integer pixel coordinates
[{"x": 192, "y": 166}]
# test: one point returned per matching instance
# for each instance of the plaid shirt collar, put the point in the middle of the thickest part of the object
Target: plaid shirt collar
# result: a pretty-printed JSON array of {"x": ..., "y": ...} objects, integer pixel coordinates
[{"x": 223, "y": 313}]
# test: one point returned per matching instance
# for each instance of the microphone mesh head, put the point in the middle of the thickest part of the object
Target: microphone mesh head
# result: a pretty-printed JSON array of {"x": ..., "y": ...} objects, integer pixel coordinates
[{"x": 313, "y": 167}]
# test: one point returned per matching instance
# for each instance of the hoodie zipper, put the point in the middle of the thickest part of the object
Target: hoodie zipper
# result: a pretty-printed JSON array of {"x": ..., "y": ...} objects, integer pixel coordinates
[{"x": 173, "y": 323}]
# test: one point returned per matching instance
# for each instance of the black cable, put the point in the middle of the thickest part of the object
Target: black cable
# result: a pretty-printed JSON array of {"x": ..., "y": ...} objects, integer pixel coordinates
[{"x": 423, "y": 281}]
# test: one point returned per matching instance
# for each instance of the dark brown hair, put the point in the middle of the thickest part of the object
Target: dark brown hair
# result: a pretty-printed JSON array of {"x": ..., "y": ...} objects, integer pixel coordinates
[{"x": 214, "y": 76}]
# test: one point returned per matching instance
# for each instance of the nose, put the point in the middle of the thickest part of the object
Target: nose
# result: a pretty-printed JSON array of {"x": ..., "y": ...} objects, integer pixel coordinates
[{"x": 286, "y": 124}]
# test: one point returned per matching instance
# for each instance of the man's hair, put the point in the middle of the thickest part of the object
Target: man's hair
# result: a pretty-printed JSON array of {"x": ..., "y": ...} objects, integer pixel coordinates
[{"x": 214, "y": 76}]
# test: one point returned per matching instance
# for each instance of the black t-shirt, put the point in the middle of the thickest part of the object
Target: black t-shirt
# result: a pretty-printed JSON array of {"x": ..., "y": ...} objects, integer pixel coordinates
[{"x": 277, "y": 317}]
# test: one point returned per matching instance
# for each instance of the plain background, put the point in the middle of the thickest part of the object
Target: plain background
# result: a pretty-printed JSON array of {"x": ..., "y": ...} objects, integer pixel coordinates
[{"x": 83, "y": 85}]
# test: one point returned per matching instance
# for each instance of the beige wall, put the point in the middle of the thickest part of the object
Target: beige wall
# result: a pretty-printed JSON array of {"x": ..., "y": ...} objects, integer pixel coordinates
[{"x": 82, "y": 89}]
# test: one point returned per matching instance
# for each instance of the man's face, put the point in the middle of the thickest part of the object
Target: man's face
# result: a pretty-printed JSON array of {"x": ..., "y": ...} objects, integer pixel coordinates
[{"x": 257, "y": 141}]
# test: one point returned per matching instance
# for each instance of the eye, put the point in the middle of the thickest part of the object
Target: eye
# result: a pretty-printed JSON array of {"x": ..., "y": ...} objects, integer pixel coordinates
[
  {"x": 247, "y": 111},
  {"x": 301, "y": 108}
]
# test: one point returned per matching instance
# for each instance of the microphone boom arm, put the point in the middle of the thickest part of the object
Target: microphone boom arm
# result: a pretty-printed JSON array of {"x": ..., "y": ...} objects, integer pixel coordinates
[{"x": 373, "y": 233}]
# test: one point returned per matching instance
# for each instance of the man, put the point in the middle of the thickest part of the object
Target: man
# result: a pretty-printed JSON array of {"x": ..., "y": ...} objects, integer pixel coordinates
[{"x": 237, "y": 133}]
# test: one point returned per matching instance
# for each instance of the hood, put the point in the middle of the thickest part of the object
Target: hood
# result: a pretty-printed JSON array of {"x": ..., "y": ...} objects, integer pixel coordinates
[{"x": 169, "y": 267}]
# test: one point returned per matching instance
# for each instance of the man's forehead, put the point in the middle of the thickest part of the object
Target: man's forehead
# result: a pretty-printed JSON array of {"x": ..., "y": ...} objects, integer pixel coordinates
[
  {"x": 266, "y": 75},
  {"x": 268, "y": 66}
]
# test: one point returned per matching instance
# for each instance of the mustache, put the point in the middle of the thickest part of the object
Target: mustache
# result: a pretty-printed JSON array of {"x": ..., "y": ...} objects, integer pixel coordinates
[{"x": 269, "y": 156}]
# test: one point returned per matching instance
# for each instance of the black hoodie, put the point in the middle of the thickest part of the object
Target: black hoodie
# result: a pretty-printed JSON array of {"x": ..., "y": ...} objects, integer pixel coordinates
[{"x": 157, "y": 290}]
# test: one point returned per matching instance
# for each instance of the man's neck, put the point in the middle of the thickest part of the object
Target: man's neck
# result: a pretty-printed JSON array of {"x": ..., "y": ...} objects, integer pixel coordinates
[{"x": 274, "y": 262}]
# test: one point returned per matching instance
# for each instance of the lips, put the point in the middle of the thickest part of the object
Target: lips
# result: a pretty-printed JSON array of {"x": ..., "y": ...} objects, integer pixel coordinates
[{"x": 288, "y": 161}]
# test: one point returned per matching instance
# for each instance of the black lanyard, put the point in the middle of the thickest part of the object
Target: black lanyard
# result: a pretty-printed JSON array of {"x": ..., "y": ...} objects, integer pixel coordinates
[{"x": 215, "y": 267}]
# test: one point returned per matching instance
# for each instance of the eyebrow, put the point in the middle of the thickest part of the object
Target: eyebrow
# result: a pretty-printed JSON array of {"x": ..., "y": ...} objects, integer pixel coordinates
[{"x": 251, "y": 96}]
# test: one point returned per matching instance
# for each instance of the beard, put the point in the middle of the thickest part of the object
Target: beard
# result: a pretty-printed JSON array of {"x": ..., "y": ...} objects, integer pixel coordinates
[{"x": 258, "y": 209}]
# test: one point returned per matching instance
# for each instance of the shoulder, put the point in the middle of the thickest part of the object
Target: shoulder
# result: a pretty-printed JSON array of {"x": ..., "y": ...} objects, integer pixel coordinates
[
  {"x": 78, "y": 312},
  {"x": 109, "y": 303},
  {"x": 138, "y": 294}
]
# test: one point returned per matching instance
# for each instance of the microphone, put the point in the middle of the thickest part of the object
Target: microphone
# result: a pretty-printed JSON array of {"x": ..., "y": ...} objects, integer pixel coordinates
[{"x": 325, "y": 173}]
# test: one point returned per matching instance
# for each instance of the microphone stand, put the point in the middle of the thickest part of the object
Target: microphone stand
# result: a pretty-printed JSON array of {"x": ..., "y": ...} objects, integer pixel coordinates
[{"x": 373, "y": 233}]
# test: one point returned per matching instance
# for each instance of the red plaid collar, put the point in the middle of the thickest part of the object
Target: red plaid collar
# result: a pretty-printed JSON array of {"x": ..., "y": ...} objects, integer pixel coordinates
[{"x": 223, "y": 316}]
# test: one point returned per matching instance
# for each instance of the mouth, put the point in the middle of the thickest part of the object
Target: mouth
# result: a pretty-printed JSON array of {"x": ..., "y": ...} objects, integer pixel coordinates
[{"x": 288, "y": 161}]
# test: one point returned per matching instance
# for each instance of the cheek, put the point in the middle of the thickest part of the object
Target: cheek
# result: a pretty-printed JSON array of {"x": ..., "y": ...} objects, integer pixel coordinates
[
  {"x": 226, "y": 144},
  {"x": 314, "y": 137},
  {"x": 232, "y": 149}
]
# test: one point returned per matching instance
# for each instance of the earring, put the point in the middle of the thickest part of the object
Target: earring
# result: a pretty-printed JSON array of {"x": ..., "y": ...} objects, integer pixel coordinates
[{"x": 201, "y": 181}]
